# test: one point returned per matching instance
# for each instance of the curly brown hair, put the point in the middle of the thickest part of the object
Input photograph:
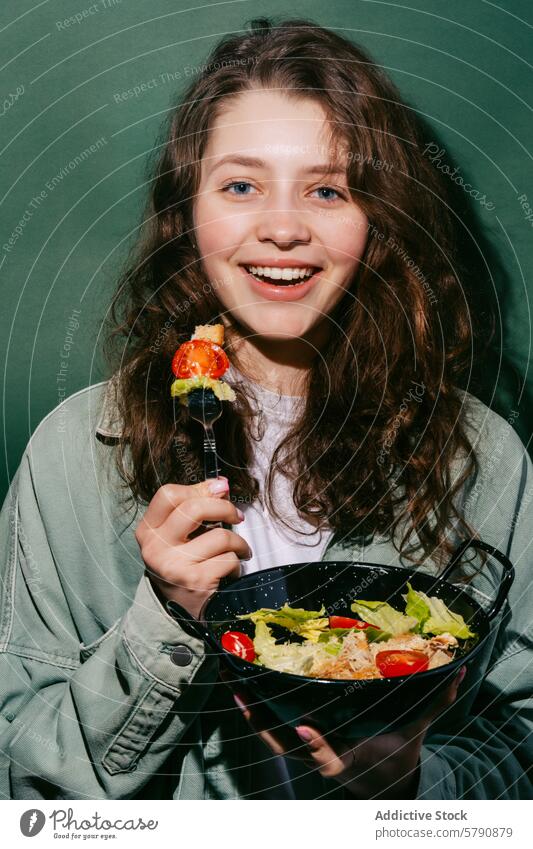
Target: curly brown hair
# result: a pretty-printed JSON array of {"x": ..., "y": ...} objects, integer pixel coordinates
[{"x": 370, "y": 454}]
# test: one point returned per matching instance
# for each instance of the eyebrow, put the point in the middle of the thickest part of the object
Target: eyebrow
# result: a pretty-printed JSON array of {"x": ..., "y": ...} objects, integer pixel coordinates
[{"x": 253, "y": 162}]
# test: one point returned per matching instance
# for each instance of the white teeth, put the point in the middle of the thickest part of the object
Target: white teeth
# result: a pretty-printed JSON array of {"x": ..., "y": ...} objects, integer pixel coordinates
[
  {"x": 280, "y": 273},
  {"x": 291, "y": 273}
]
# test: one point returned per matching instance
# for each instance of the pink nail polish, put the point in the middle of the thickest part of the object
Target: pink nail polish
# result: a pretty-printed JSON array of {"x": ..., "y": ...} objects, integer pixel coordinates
[
  {"x": 218, "y": 485},
  {"x": 240, "y": 514},
  {"x": 461, "y": 674},
  {"x": 304, "y": 734}
]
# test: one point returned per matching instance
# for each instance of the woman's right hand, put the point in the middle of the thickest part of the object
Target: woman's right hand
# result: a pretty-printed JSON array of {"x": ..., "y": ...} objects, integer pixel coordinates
[{"x": 188, "y": 570}]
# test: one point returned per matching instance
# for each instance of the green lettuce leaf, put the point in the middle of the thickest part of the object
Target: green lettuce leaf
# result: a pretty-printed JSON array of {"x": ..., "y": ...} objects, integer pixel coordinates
[
  {"x": 264, "y": 642},
  {"x": 434, "y": 616},
  {"x": 183, "y": 385},
  {"x": 372, "y": 634},
  {"x": 307, "y": 623},
  {"x": 416, "y": 606},
  {"x": 297, "y": 658},
  {"x": 384, "y": 616},
  {"x": 332, "y": 640}
]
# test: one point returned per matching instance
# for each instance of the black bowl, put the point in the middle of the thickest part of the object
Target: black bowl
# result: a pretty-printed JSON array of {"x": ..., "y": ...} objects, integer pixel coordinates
[{"x": 349, "y": 708}]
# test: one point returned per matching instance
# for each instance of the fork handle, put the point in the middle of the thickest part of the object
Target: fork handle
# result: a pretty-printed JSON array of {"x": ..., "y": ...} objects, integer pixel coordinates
[
  {"x": 210, "y": 453},
  {"x": 210, "y": 525},
  {"x": 211, "y": 469}
]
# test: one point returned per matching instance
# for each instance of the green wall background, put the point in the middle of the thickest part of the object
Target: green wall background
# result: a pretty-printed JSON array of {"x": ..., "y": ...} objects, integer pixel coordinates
[{"x": 467, "y": 66}]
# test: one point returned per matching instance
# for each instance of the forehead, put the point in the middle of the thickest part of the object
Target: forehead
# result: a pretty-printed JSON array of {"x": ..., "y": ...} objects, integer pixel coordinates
[{"x": 279, "y": 130}]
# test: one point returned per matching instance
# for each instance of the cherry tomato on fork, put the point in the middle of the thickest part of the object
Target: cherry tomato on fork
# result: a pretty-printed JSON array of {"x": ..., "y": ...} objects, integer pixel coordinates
[
  {"x": 238, "y": 643},
  {"x": 401, "y": 662},
  {"x": 348, "y": 622},
  {"x": 199, "y": 357}
]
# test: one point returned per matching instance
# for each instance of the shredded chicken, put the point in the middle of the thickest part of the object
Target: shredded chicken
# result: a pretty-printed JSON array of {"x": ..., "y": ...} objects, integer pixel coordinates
[
  {"x": 356, "y": 648},
  {"x": 356, "y": 660},
  {"x": 443, "y": 641},
  {"x": 411, "y": 642},
  {"x": 343, "y": 667},
  {"x": 438, "y": 658}
]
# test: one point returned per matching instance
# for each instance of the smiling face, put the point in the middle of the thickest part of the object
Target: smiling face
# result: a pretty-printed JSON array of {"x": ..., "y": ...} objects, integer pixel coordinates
[{"x": 266, "y": 204}]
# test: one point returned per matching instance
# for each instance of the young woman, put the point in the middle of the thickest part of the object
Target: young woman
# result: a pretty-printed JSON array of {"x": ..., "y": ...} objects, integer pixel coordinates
[{"x": 349, "y": 438}]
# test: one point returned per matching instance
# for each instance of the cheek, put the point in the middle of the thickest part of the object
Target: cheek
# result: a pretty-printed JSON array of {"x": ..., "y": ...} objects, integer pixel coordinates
[
  {"x": 346, "y": 239},
  {"x": 210, "y": 240},
  {"x": 218, "y": 231}
]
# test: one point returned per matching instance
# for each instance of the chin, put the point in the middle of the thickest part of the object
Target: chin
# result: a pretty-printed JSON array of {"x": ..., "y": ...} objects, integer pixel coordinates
[
  {"x": 287, "y": 334},
  {"x": 276, "y": 327}
]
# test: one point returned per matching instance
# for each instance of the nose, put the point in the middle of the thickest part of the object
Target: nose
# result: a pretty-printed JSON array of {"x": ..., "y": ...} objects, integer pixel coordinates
[{"x": 282, "y": 221}]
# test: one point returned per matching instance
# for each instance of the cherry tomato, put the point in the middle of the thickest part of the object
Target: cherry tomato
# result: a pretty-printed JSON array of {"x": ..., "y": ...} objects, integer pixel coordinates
[
  {"x": 199, "y": 357},
  {"x": 401, "y": 662},
  {"x": 238, "y": 643},
  {"x": 347, "y": 622}
]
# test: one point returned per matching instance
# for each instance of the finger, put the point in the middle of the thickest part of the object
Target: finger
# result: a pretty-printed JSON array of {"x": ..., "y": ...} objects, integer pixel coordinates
[
  {"x": 199, "y": 562},
  {"x": 440, "y": 705},
  {"x": 224, "y": 565},
  {"x": 258, "y": 724},
  {"x": 190, "y": 515},
  {"x": 329, "y": 762},
  {"x": 448, "y": 695},
  {"x": 199, "y": 577},
  {"x": 280, "y": 738},
  {"x": 212, "y": 544},
  {"x": 171, "y": 495}
]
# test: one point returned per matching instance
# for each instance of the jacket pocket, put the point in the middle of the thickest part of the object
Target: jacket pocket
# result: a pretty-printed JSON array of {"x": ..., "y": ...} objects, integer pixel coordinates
[{"x": 87, "y": 650}]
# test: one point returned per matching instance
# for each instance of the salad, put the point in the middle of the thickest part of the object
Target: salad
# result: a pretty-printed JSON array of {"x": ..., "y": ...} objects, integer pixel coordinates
[
  {"x": 381, "y": 643},
  {"x": 199, "y": 364}
]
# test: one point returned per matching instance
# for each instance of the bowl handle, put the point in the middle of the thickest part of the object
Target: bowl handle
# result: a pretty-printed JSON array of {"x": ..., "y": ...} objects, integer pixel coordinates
[
  {"x": 192, "y": 626},
  {"x": 507, "y": 576}
]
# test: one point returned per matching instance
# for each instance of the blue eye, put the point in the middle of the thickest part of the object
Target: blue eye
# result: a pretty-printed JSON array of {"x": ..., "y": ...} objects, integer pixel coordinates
[
  {"x": 239, "y": 184},
  {"x": 328, "y": 189},
  {"x": 243, "y": 184}
]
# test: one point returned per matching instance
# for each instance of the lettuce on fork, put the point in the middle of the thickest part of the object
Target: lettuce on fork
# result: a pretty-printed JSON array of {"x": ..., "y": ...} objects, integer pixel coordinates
[{"x": 183, "y": 385}]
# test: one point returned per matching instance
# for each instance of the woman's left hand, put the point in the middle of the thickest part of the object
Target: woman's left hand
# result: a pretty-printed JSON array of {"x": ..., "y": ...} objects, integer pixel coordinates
[{"x": 384, "y": 766}]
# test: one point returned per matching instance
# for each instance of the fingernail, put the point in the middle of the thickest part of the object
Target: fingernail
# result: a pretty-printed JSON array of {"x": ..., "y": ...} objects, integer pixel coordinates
[
  {"x": 304, "y": 734},
  {"x": 239, "y": 702},
  {"x": 461, "y": 674},
  {"x": 218, "y": 485},
  {"x": 240, "y": 514}
]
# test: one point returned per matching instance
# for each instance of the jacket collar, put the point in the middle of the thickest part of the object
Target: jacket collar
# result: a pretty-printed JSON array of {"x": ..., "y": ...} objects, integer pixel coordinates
[{"x": 109, "y": 425}]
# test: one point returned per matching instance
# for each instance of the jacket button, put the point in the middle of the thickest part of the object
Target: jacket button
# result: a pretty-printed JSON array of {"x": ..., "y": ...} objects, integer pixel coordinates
[{"x": 181, "y": 655}]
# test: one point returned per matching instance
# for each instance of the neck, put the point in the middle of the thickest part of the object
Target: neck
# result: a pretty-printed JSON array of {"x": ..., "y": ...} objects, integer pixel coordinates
[{"x": 280, "y": 365}]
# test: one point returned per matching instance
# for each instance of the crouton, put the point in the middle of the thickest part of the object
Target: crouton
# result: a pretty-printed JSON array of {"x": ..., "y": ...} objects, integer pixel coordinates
[{"x": 211, "y": 332}]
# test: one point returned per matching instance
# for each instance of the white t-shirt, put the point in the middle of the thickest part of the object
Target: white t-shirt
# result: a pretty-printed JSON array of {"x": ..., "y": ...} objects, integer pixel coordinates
[{"x": 272, "y": 543}]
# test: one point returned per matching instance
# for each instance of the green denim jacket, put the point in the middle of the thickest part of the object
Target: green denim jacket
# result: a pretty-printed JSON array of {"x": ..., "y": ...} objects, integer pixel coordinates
[{"x": 92, "y": 702}]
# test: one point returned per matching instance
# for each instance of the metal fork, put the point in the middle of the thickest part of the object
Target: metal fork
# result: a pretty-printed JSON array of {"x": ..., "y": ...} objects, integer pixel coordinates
[{"x": 206, "y": 408}]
